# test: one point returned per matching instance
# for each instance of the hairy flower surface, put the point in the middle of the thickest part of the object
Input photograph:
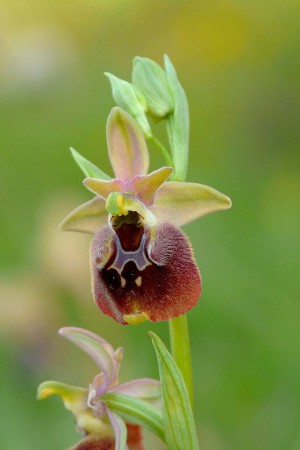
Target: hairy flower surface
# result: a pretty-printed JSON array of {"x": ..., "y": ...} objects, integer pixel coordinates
[
  {"x": 142, "y": 263},
  {"x": 102, "y": 428}
]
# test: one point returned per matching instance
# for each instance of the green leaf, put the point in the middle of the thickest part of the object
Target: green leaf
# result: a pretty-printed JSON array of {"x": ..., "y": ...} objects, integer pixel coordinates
[
  {"x": 179, "y": 424},
  {"x": 178, "y": 124},
  {"x": 136, "y": 411},
  {"x": 89, "y": 169}
]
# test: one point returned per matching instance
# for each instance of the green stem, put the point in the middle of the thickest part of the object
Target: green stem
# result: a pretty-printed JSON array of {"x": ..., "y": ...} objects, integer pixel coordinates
[
  {"x": 162, "y": 148},
  {"x": 180, "y": 347}
]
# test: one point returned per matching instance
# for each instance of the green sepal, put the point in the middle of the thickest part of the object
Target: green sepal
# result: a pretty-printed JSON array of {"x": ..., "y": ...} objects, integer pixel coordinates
[
  {"x": 151, "y": 80},
  {"x": 128, "y": 98},
  {"x": 134, "y": 410},
  {"x": 178, "y": 124},
  {"x": 179, "y": 424},
  {"x": 86, "y": 218},
  {"x": 89, "y": 169}
]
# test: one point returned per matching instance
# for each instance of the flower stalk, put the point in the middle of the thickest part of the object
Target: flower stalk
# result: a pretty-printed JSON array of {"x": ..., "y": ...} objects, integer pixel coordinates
[{"x": 181, "y": 350}]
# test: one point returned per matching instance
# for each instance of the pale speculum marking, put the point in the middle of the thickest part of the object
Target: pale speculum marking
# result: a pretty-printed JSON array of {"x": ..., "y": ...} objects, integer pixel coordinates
[{"x": 138, "y": 281}]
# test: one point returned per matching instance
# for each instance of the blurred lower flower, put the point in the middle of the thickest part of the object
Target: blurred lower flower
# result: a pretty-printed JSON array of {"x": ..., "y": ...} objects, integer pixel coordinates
[{"x": 103, "y": 429}]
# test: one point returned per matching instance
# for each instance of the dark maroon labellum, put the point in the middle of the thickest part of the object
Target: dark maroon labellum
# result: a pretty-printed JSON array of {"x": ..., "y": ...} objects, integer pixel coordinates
[{"x": 141, "y": 270}]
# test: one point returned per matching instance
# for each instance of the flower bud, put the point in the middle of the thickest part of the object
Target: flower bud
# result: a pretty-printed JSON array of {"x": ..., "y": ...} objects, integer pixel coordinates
[
  {"x": 151, "y": 79},
  {"x": 131, "y": 100}
]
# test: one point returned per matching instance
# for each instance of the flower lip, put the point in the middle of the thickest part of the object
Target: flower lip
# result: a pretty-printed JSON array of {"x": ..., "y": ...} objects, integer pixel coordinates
[{"x": 155, "y": 279}]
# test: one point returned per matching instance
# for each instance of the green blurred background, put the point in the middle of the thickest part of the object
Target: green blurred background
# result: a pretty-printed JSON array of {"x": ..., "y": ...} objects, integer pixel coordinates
[{"x": 239, "y": 64}]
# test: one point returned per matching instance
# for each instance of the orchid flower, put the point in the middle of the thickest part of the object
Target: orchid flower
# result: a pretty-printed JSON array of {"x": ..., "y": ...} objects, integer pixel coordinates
[
  {"x": 142, "y": 263},
  {"x": 103, "y": 429}
]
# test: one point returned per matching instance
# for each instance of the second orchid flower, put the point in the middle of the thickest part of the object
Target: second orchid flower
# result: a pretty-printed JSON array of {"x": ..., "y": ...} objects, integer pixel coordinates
[{"x": 103, "y": 429}]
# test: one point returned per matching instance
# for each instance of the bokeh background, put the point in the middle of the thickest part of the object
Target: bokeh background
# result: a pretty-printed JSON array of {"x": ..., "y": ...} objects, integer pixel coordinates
[{"x": 239, "y": 64}]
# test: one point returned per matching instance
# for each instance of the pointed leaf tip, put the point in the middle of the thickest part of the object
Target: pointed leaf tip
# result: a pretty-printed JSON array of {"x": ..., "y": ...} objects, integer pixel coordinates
[{"x": 89, "y": 169}]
